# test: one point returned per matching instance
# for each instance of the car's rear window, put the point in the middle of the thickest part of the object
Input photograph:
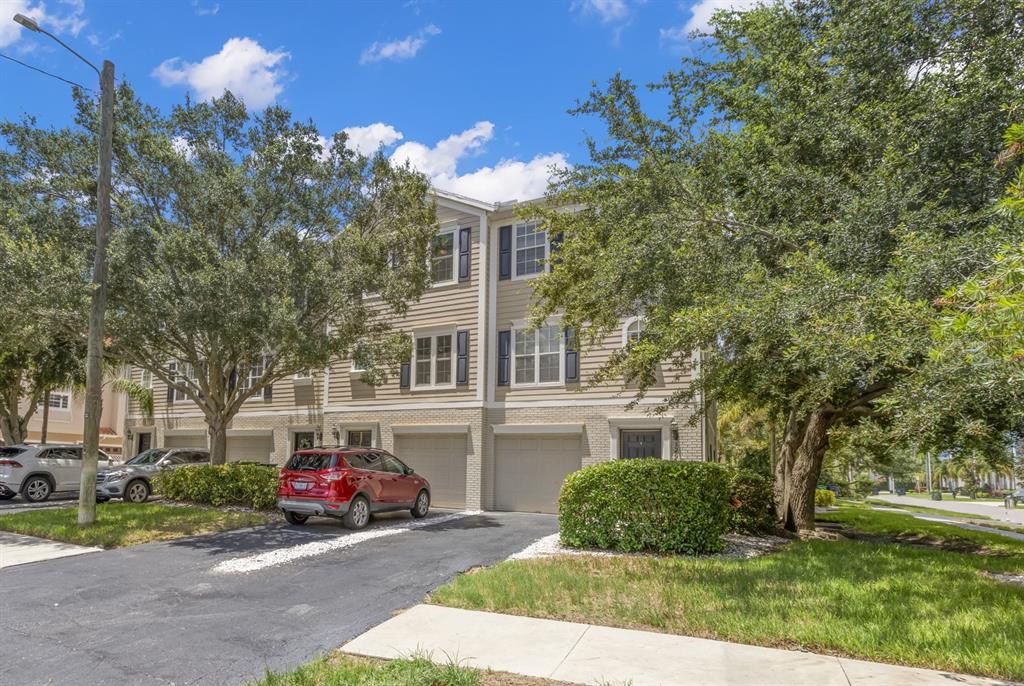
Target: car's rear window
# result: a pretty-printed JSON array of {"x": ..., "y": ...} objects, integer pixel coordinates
[
  {"x": 11, "y": 451},
  {"x": 310, "y": 462}
]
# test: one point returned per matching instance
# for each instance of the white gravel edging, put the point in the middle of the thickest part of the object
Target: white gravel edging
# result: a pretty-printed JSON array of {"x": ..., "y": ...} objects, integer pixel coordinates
[
  {"x": 280, "y": 556},
  {"x": 738, "y": 546}
]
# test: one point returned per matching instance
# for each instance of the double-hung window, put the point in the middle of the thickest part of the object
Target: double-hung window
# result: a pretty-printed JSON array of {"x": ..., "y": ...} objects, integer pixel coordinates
[
  {"x": 255, "y": 375},
  {"x": 432, "y": 360},
  {"x": 442, "y": 257},
  {"x": 538, "y": 355},
  {"x": 59, "y": 400},
  {"x": 183, "y": 375},
  {"x": 531, "y": 249}
]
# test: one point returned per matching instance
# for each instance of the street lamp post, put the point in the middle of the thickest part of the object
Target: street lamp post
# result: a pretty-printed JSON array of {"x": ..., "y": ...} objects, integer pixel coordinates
[{"x": 94, "y": 358}]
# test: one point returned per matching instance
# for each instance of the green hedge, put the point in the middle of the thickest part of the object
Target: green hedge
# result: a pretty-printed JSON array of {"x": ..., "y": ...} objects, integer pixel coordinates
[
  {"x": 249, "y": 485},
  {"x": 753, "y": 503},
  {"x": 662, "y": 506}
]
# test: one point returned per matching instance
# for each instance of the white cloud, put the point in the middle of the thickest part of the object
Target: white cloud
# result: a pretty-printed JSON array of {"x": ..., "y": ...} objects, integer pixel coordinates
[
  {"x": 242, "y": 66},
  {"x": 608, "y": 11},
  {"x": 367, "y": 139},
  {"x": 700, "y": 17},
  {"x": 65, "y": 18},
  {"x": 205, "y": 10},
  {"x": 507, "y": 180},
  {"x": 398, "y": 50}
]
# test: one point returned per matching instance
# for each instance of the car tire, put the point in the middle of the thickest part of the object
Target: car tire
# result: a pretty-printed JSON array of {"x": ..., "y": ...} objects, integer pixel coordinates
[
  {"x": 102, "y": 499},
  {"x": 421, "y": 506},
  {"x": 358, "y": 515},
  {"x": 295, "y": 518},
  {"x": 36, "y": 489},
  {"x": 137, "y": 491},
  {"x": 7, "y": 495}
]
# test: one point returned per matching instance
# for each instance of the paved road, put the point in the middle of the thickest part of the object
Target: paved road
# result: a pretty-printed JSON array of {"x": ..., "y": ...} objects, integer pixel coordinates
[
  {"x": 158, "y": 614},
  {"x": 17, "y": 504},
  {"x": 989, "y": 509}
]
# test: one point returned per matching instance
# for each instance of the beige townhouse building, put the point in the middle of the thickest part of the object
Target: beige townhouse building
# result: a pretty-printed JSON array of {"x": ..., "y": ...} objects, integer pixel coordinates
[
  {"x": 492, "y": 413},
  {"x": 65, "y": 419}
]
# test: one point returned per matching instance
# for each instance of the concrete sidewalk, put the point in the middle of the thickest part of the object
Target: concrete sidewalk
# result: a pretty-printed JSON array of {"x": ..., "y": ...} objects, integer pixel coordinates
[
  {"x": 586, "y": 654},
  {"x": 983, "y": 508},
  {"x": 16, "y": 549}
]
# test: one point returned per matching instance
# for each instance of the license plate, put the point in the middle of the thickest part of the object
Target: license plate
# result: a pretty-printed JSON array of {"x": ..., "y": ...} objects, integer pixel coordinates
[{"x": 301, "y": 485}]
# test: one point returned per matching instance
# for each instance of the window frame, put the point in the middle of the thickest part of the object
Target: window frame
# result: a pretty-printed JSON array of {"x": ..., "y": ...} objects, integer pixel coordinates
[
  {"x": 545, "y": 266},
  {"x": 453, "y": 231},
  {"x": 249, "y": 380},
  {"x": 62, "y": 395},
  {"x": 178, "y": 396},
  {"x": 433, "y": 335},
  {"x": 641, "y": 325},
  {"x": 523, "y": 327}
]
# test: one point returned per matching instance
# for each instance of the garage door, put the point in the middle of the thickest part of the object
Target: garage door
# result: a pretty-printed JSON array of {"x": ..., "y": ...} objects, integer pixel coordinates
[
  {"x": 185, "y": 441},
  {"x": 250, "y": 449},
  {"x": 442, "y": 461},
  {"x": 529, "y": 471}
]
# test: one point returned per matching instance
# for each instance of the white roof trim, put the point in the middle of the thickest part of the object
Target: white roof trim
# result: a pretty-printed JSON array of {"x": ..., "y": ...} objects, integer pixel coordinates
[
  {"x": 429, "y": 429},
  {"x": 536, "y": 429},
  {"x": 462, "y": 200}
]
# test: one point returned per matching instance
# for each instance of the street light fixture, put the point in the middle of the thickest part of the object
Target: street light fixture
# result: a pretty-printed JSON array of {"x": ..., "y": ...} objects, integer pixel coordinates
[{"x": 94, "y": 358}]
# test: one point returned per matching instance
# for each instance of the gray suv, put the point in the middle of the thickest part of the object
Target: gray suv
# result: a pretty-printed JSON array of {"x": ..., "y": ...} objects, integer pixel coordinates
[
  {"x": 131, "y": 481},
  {"x": 39, "y": 471}
]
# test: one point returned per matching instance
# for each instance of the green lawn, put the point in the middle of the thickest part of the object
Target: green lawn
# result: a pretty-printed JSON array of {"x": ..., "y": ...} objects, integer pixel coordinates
[
  {"x": 349, "y": 670},
  {"x": 124, "y": 524},
  {"x": 907, "y": 604}
]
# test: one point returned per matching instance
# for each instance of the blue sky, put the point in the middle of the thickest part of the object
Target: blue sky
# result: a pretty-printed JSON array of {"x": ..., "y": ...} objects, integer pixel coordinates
[{"x": 473, "y": 93}]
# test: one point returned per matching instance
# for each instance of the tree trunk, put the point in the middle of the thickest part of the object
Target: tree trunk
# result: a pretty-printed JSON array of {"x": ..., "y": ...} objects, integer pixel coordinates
[
  {"x": 46, "y": 417},
  {"x": 796, "y": 474},
  {"x": 13, "y": 427},
  {"x": 807, "y": 468},
  {"x": 218, "y": 441}
]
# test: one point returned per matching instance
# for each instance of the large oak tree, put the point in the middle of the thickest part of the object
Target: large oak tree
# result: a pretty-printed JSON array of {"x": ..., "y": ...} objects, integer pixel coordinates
[{"x": 824, "y": 172}]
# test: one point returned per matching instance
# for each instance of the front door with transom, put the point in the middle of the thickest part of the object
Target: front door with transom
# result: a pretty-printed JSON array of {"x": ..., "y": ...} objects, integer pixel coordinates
[
  {"x": 145, "y": 441},
  {"x": 633, "y": 443},
  {"x": 304, "y": 440}
]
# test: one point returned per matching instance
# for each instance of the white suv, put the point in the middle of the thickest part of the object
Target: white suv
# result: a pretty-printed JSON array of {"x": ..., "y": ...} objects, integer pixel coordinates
[{"x": 39, "y": 471}]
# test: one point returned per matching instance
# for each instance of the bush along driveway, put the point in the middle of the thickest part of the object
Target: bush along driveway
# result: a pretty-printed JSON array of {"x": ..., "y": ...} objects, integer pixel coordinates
[{"x": 905, "y": 591}]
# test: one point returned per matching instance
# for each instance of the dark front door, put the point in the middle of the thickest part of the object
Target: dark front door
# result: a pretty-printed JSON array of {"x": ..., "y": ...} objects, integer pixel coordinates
[
  {"x": 145, "y": 442},
  {"x": 640, "y": 444},
  {"x": 304, "y": 440}
]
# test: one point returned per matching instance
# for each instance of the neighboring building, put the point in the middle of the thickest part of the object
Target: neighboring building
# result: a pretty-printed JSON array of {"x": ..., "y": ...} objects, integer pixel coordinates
[
  {"x": 66, "y": 419},
  {"x": 491, "y": 413}
]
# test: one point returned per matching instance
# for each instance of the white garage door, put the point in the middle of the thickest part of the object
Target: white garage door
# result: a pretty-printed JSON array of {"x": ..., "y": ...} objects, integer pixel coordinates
[
  {"x": 185, "y": 441},
  {"x": 442, "y": 461},
  {"x": 529, "y": 471},
  {"x": 250, "y": 449}
]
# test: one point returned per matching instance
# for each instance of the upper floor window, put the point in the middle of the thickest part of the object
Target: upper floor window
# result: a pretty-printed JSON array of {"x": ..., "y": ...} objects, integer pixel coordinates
[
  {"x": 256, "y": 371},
  {"x": 360, "y": 357},
  {"x": 183, "y": 374},
  {"x": 632, "y": 331},
  {"x": 432, "y": 360},
  {"x": 442, "y": 257},
  {"x": 59, "y": 400},
  {"x": 538, "y": 355},
  {"x": 146, "y": 380},
  {"x": 530, "y": 248}
]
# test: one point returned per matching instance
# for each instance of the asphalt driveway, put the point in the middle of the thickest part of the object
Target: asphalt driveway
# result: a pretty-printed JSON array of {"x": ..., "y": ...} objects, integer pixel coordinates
[{"x": 161, "y": 614}]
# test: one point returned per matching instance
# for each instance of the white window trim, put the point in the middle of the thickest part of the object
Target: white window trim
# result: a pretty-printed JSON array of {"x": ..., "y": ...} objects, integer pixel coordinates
[
  {"x": 178, "y": 374},
  {"x": 66, "y": 394},
  {"x": 453, "y": 229},
  {"x": 262, "y": 391},
  {"x": 625, "y": 328},
  {"x": 433, "y": 334},
  {"x": 146, "y": 379},
  {"x": 354, "y": 369},
  {"x": 547, "y": 253},
  {"x": 523, "y": 325}
]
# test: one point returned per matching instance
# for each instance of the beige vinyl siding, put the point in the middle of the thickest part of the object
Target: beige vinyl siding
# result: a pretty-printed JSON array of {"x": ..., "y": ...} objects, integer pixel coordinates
[
  {"x": 288, "y": 394},
  {"x": 513, "y": 300},
  {"x": 453, "y": 307}
]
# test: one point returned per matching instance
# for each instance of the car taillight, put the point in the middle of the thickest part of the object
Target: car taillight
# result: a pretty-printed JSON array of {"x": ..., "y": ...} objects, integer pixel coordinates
[
  {"x": 10, "y": 463},
  {"x": 334, "y": 476}
]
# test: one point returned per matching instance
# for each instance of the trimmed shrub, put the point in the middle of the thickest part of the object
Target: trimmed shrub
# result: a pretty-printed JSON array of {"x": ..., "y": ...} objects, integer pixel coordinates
[
  {"x": 662, "y": 506},
  {"x": 249, "y": 485},
  {"x": 753, "y": 503},
  {"x": 824, "y": 498}
]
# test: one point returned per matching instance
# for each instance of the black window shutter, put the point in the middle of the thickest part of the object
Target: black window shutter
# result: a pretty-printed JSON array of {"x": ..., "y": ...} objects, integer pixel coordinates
[
  {"x": 505, "y": 252},
  {"x": 465, "y": 253},
  {"x": 462, "y": 359},
  {"x": 172, "y": 372},
  {"x": 233, "y": 379},
  {"x": 403, "y": 375},
  {"x": 572, "y": 356},
  {"x": 268, "y": 392},
  {"x": 504, "y": 356},
  {"x": 556, "y": 248}
]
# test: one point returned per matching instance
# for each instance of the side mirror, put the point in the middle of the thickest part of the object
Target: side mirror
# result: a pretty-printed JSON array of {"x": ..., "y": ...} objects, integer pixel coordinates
[{"x": 409, "y": 470}]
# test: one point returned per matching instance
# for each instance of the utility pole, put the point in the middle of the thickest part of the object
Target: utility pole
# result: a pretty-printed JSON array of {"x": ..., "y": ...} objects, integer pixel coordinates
[
  {"x": 97, "y": 315},
  {"x": 98, "y": 309}
]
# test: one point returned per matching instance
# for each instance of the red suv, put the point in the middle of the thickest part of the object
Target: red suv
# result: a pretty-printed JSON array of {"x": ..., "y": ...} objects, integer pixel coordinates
[{"x": 350, "y": 483}]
